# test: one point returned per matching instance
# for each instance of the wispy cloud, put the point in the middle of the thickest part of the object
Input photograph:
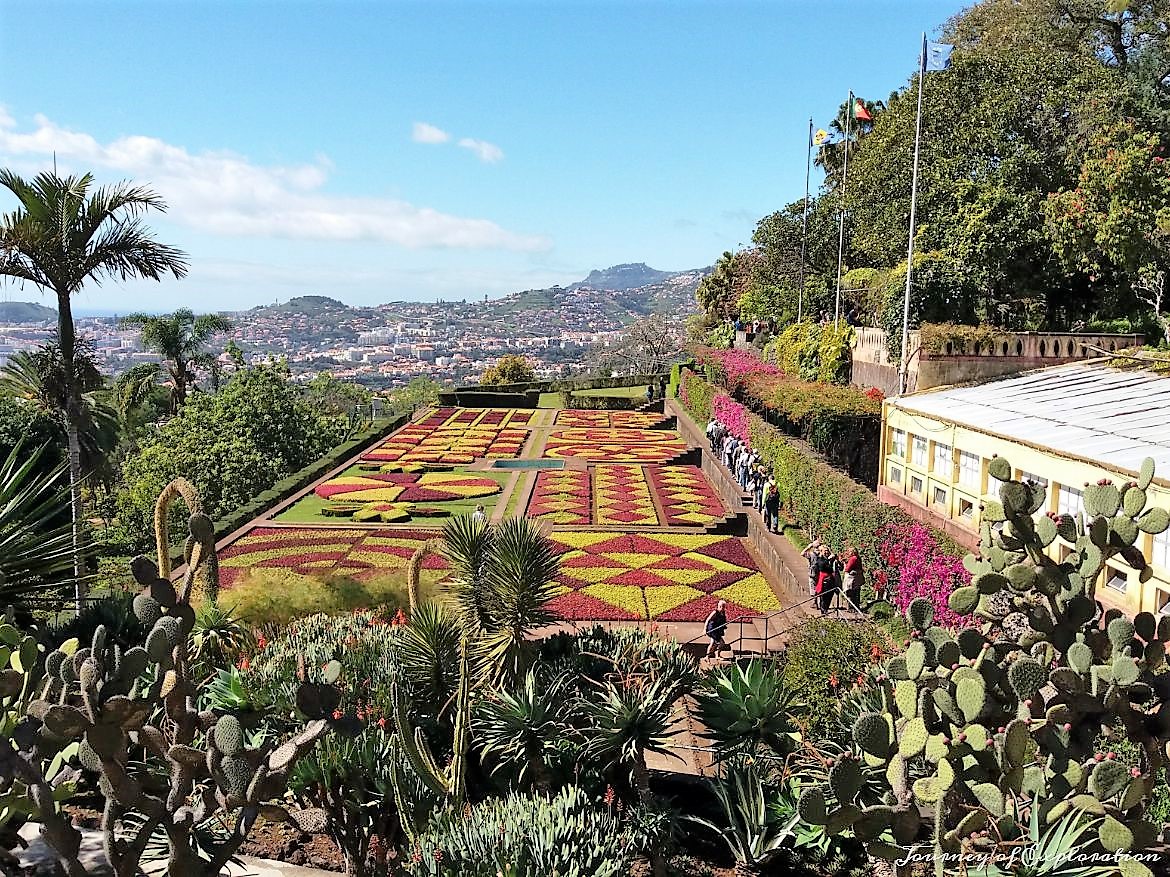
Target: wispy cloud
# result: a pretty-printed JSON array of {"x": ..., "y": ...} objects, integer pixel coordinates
[
  {"x": 225, "y": 193},
  {"x": 486, "y": 152},
  {"x": 424, "y": 132}
]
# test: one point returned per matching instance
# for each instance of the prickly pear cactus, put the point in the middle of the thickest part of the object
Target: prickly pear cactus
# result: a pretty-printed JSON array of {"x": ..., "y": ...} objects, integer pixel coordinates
[
  {"x": 108, "y": 702},
  {"x": 987, "y": 724}
]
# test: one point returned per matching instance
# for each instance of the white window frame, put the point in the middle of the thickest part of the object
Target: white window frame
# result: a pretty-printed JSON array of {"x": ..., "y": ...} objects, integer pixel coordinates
[
  {"x": 970, "y": 475},
  {"x": 934, "y": 497},
  {"x": 969, "y": 514},
  {"x": 1160, "y": 551},
  {"x": 1113, "y": 575},
  {"x": 921, "y": 484},
  {"x": 898, "y": 443},
  {"x": 919, "y": 450},
  {"x": 1162, "y": 601},
  {"x": 1070, "y": 501},
  {"x": 895, "y": 475},
  {"x": 944, "y": 461}
]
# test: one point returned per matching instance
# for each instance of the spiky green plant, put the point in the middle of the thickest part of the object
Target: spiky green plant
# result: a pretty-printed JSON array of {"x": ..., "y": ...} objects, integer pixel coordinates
[
  {"x": 747, "y": 710},
  {"x": 975, "y": 721}
]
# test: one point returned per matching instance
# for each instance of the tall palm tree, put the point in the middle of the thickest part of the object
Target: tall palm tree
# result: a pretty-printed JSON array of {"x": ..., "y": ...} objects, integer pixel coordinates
[
  {"x": 64, "y": 233},
  {"x": 179, "y": 338},
  {"x": 39, "y": 378},
  {"x": 831, "y": 155}
]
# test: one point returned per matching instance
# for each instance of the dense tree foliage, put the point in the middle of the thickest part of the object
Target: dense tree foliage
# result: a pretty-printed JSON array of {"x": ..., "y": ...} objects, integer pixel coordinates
[
  {"x": 179, "y": 338},
  {"x": 1043, "y": 198},
  {"x": 512, "y": 368},
  {"x": 231, "y": 445}
]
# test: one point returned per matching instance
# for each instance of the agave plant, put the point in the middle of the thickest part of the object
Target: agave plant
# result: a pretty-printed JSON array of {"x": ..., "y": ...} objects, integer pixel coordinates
[
  {"x": 1062, "y": 849},
  {"x": 747, "y": 710},
  {"x": 520, "y": 730},
  {"x": 754, "y": 829},
  {"x": 217, "y": 638}
]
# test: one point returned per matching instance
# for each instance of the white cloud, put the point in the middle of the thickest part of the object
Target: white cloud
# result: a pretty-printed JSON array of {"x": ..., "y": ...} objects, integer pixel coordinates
[
  {"x": 488, "y": 152},
  {"x": 224, "y": 193},
  {"x": 422, "y": 132}
]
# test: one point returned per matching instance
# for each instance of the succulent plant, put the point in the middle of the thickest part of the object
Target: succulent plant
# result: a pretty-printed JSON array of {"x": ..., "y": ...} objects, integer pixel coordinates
[
  {"x": 104, "y": 701},
  {"x": 991, "y": 724}
]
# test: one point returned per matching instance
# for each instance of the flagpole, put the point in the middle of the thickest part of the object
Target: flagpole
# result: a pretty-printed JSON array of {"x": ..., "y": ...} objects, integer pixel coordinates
[
  {"x": 804, "y": 223},
  {"x": 905, "y": 365},
  {"x": 844, "y": 182}
]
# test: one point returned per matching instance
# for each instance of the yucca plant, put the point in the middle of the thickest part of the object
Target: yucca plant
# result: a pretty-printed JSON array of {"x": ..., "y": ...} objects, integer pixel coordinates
[
  {"x": 747, "y": 710},
  {"x": 754, "y": 830},
  {"x": 218, "y": 638},
  {"x": 521, "y": 730}
]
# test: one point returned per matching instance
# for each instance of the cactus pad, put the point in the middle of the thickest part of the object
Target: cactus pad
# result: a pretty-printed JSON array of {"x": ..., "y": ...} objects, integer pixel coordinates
[
  {"x": 963, "y": 601},
  {"x": 1000, "y": 469},
  {"x": 1108, "y": 779},
  {"x": 1026, "y": 676},
  {"x": 1121, "y": 631},
  {"x": 811, "y": 806},
  {"x": 872, "y": 734},
  {"x": 846, "y": 780},
  {"x": 906, "y": 698},
  {"x": 229, "y": 737},
  {"x": 912, "y": 738},
  {"x": 920, "y": 613},
  {"x": 971, "y": 697},
  {"x": 1115, "y": 837}
]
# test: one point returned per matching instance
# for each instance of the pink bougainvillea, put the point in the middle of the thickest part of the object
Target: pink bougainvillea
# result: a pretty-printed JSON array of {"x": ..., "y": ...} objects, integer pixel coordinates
[
  {"x": 916, "y": 567},
  {"x": 737, "y": 365},
  {"x": 732, "y": 415}
]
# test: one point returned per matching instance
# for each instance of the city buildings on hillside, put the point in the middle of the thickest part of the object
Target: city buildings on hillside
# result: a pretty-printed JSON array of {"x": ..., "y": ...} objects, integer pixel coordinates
[{"x": 1063, "y": 427}]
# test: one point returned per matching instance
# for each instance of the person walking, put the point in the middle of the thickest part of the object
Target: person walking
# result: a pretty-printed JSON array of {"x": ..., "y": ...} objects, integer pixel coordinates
[
  {"x": 811, "y": 553},
  {"x": 479, "y": 516},
  {"x": 824, "y": 585},
  {"x": 715, "y": 626},
  {"x": 650, "y": 392},
  {"x": 772, "y": 506},
  {"x": 853, "y": 578}
]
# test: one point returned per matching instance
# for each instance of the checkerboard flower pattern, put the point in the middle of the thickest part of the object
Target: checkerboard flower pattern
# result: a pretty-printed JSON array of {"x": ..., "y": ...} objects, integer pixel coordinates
[
  {"x": 664, "y": 576},
  {"x": 615, "y": 445},
  {"x": 465, "y": 417},
  {"x": 406, "y": 487},
  {"x": 459, "y": 444},
  {"x": 359, "y": 553},
  {"x": 562, "y": 497},
  {"x": 621, "y": 495},
  {"x": 687, "y": 497},
  {"x": 572, "y": 417}
]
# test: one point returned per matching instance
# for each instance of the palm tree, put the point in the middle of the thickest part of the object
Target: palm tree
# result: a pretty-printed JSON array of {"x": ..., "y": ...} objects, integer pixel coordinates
[
  {"x": 831, "y": 155},
  {"x": 64, "y": 233},
  {"x": 179, "y": 339},
  {"x": 39, "y": 378}
]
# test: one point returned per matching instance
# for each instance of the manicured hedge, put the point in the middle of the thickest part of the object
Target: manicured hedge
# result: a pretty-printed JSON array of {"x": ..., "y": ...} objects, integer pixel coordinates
[
  {"x": 842, "y": 423},
  {"x": 895, "y": 549}
]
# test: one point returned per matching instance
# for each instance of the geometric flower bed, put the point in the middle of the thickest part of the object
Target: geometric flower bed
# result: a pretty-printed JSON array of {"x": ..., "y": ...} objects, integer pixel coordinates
[
  {"x": 418, "y": 443},
  {"x": 687, "y": 497},
  {"x": 464, "y": 417},
  {"x": 622, "y": 495},
  {"x": 561, "y": 497},
  {"x": 307, "y": 550},
  {"x": 609, "y": 445},
  {"x": 574, "y": 417},
  {"x": 664, "y": 576},
  {"x": 406, "y": 487}
]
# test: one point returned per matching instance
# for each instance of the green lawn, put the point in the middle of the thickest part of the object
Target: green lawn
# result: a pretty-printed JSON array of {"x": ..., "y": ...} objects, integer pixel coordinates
[{"x": 307, "y": 510}]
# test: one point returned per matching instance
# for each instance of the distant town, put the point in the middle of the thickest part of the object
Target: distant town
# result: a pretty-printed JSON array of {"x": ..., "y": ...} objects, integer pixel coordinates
[{"x": 561, "y": 330}]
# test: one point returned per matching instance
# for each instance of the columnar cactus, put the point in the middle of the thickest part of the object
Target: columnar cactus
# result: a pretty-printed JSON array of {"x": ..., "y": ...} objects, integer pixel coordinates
[
  {"x": 109, "y": 702},
  {"x": 983, "y": 725}
]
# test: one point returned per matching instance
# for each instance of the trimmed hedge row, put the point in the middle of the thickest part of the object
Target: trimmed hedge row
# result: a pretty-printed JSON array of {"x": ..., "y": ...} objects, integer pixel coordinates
[
  {"x": 895, "y": 549},
  {"x": 842, "y": 423}
]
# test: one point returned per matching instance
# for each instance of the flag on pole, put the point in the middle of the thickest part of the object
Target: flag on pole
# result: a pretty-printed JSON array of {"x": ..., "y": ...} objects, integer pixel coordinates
[
  {"x": 938, "y": 56},
  {"x": 820, "y": 137},
  {"x": 860, "y": 112}
]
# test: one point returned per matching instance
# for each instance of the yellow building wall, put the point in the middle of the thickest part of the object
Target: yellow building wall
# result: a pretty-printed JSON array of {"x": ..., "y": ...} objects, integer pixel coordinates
[{"x": 917, "y": 466}]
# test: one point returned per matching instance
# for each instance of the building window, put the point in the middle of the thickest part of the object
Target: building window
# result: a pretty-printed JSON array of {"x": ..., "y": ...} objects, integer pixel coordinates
[
  {"x": 1070, "y": 501},
  {"x": 895, "y": 475},
  {"x": 1035, "y": 479},
  {"x": 915, "y": 484},
  {"x": 1161, "y": 552},
  {"x": 918, "y": 451},
  {"x": 970, "y": 470},
  {"x": 898, "y": 443},
  {"x": 1116, "y": 579},
  {"x": 940, "y": 497},
  {"x": 1162, "y": 601},
  {"x": 944, "y": 463},
  {"x": 966, "y": 509}
]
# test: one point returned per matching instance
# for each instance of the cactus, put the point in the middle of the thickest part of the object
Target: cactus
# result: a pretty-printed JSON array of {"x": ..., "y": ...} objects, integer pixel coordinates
[
  {"x": 1007, "y": 713},
  {"x": 103, "y": 701}
]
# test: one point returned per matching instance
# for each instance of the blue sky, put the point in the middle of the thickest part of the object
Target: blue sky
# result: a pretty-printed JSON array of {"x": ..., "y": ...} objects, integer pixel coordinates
[{"x": 375, "y": 151}]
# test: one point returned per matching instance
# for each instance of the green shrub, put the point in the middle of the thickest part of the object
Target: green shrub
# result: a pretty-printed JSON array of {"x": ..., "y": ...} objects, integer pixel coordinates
[
  {"x": 521, "y": 835},
  {"x": 820, "y": 651},
  {"x": 813, "y": 352}
]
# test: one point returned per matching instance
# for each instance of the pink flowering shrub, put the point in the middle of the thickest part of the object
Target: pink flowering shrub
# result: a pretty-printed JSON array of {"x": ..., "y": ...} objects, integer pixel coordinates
[
  {"x": 732, "y": 415},
  {"x": 914, "y": 565},
  {"x": 737, "y": 365}
]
